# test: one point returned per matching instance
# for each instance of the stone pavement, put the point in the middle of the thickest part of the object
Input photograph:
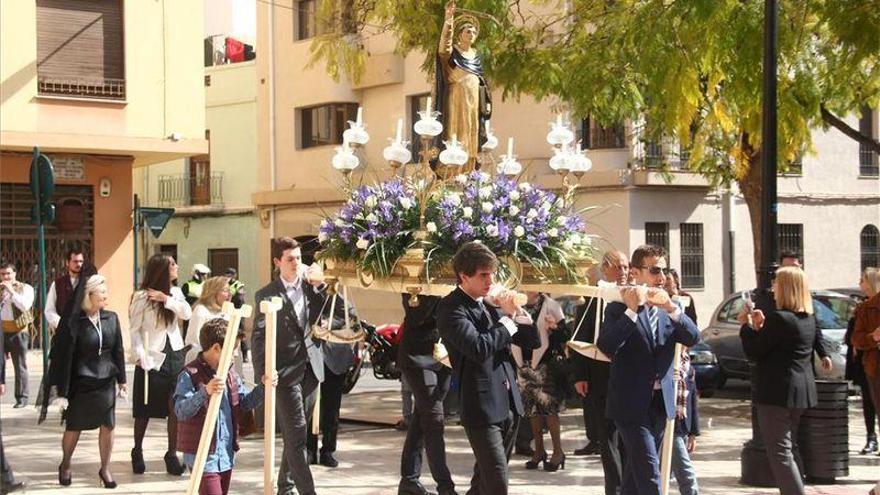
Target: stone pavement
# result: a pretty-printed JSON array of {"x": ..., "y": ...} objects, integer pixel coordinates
[{"x": 369, "y": 454}]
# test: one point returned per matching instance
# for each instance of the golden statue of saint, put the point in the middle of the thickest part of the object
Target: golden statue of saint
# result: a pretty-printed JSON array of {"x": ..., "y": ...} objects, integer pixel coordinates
[{"x": 461, "y": 93}]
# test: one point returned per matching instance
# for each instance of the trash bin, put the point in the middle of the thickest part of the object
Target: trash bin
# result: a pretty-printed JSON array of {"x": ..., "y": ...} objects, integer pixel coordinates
[{"x": 823, "y": 435}]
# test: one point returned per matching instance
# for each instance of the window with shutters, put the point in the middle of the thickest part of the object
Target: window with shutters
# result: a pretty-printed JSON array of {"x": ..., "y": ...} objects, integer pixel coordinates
[
  {"x": 692, "y": 265},
  {"x": 595, "y": 136},
  {"x": 325, "y": 124},
  {"x": 657, "y": 234},
  {"x": 80, "y": 49},
  {"x": 790, "y": 238},
  {"x": 869, "y": 166},
  {"x": 221, "y": 259},
  {"x": 869, "y": 241}
]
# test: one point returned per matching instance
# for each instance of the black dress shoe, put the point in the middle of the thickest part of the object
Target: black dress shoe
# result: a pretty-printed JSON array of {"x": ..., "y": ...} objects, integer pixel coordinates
[
  {"x": 449, "y": 491},
  {"x": 412, "y": 488},
  {"x": 137, "y": 461},
  {"x": 589, "y": 449},
  {"x": 172, "y": 464},
  {"x": 312, "y": 457},
  {"x": 328, "y": 460},
  {"x": 19, "y": 403},
  {"x": 870, "y": 447}
]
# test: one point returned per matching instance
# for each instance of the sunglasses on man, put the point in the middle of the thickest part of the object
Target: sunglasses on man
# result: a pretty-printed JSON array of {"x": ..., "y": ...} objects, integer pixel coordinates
[{"x": 655, "y": 270}]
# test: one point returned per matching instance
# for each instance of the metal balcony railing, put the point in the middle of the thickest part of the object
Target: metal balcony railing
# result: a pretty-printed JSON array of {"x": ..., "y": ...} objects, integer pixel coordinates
[
  {"x": 187, "y": 190},
  {"x": 103, "y": 88}
]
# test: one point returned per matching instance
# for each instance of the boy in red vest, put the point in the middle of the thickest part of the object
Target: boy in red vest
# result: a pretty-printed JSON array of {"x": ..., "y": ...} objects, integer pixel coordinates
[{"x": 194, "y": 387}]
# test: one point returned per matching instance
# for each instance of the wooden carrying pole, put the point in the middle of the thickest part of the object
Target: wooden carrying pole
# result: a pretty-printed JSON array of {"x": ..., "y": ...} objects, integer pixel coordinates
[
  {"x": 669, "y": 435},
  {"x": 208, "y": 429},
  {"x": 269, "y": 308}
]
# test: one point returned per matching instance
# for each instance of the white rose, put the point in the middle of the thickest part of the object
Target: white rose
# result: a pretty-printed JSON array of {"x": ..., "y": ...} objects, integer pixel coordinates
[
  {"x": 514, "y": 210},
  {"x": 485, "y": 192},
  {"x": 575, "y": 238},
  {"x": 533, "y": 213},
  {"x": 372, "y": 217},
  {"x": 519, "y": 231},
  {"x": 455, "y": 199},
  {"x": 467, "y": 212},
  {"x": 492, "y": 231},
  {"x": 545, "y": 206},
  {"x": 484, "y": 176},
  {"x": 487, "y": 206},
  {"x": 461, "y": 179},
  {"x": 323, "y": 237},
  {"x": 525, "y": 186},
  {"x": 553, "y": 232},
  {"x": 371, "y": 201},
  {"x": 562, "y": 219},
  {"x": 567, "y": 245},
  {"x": 514, "y": 195},
  {"x": 339, "y": 222},
  {"x": 405, "y": 203},
  {"x": 362, "y": 243},
  {"x": 431, "y": 226}
]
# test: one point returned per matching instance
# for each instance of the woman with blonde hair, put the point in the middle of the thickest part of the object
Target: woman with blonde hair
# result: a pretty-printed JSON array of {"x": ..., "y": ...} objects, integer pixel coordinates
[
  {"x": 215, "y": 292},
  {"x": 96, "y": 369},
  {"x": 866, "y": 335},
  {"x": 781, "y": 344}
]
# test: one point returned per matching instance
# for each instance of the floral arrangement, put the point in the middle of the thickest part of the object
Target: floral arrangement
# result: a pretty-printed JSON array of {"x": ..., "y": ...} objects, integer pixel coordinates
[{"x": 520, "y": 222}]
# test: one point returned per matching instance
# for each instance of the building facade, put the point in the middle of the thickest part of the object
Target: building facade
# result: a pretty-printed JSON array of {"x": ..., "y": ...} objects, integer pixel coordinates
[
  {"x": 102, "y": 87},
  {"x": 829, "y": 212}
]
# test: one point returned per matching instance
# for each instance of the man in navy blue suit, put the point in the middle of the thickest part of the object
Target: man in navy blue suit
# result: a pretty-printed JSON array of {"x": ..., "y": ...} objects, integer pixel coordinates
[{"x": 639, "y": 335}]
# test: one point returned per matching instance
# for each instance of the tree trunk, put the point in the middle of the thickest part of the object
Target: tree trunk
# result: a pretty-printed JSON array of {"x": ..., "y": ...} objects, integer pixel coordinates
[{"x": 750, "y": 186}]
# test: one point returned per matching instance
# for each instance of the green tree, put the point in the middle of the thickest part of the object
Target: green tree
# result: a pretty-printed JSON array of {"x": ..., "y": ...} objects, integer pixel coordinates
[{"x": 691, "y": 68}]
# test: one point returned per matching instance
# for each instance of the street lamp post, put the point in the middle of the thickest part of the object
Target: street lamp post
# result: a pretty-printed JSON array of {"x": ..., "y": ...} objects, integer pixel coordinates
[{"x": 754, "y": 467}]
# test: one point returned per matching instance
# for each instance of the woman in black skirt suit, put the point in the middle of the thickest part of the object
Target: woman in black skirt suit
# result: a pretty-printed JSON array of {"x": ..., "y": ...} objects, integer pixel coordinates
[
  {"x": 96, "y": 369},
  {"x": 157, "y": 345}
]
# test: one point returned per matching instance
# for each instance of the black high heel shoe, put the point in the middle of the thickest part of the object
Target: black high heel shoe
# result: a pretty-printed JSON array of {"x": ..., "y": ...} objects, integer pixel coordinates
[
  {"x": 137, "y": 461},
  {"x": 172, "y": 464},
  {"x": 534, "y": 463},
  {"x": 61, "y": 479},
  {"x": 105, "y": 482},
  {"x": 553, "y": 467}
]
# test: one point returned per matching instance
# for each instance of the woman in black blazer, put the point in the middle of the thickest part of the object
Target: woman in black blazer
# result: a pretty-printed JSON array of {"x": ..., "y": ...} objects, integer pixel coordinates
[
  {"x": 781, "y": 346},
  {"x": 95, "y": 368}
]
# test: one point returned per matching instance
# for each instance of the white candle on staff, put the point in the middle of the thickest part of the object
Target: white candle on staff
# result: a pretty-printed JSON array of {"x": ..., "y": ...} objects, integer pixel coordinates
[
  {"x": 454, "y": 138},
  {"x": 399, "y": 131},
  {"x": 510, "y": 148},
  {"x": 428, "y": 104},
  {"x": 360, "y": 116}
]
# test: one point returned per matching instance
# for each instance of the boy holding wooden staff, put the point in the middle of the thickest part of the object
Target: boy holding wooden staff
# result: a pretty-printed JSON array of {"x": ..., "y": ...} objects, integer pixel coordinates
[{"x": 195, "y": 385}]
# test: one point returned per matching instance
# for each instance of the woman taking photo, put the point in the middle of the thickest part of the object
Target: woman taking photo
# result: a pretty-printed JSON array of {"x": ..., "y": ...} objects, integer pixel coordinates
[
  {"x": 781, "y": 345},
  {"x": 866, "y": 335},
  {"x": 96, "y": 369},
  {"x": 673, "y": 287},
  {"x": 542, "y": 374},
  {"x": 157, "y": 346},
  {"x": 215, "y": 292}
]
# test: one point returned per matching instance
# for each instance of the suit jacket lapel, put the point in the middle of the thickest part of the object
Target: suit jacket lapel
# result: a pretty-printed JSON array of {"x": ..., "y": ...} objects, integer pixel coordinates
[
  {"x": 662, "y": 327},
  {"x": 645, "y": 326}
]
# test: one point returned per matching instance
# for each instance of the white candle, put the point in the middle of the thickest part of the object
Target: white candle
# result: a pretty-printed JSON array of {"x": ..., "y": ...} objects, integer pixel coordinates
[
  {"x": 510, "y": 148},
  {"x": 399, "y": 131},
  {"x": 488, "y": 127},
  {"x": 428, "y": 105},
  {"x": 559, "y": 120},
  {"x": 360, "y": 116},
  {"x": 455, "y": 138}
]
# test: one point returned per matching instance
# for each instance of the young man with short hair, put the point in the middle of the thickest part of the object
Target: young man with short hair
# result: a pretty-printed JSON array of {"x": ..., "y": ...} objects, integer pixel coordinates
[
  {"x": 639, "y": 335},
  {"x": 16, "y": 302},
  {"x": 478, "y": 337},
  {"x": 61, "y": 290}
]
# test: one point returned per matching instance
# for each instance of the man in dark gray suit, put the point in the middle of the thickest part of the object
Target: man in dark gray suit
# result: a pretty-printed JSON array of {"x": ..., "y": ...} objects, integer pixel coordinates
[
  {"x": 300, "y": 360},
  {"x": 478, "y": 338}
]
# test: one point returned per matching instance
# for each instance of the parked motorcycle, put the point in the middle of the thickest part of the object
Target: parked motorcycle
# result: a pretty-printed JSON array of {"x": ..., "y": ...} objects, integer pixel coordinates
[{"x": 380, "y": 347}]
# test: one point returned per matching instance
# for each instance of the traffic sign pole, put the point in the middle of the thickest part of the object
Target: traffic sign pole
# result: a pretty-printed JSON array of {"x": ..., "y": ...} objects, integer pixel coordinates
[{"x": 41, "y": 236}]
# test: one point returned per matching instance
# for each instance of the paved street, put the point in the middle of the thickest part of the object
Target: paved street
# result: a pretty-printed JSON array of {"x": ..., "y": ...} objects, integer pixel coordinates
[{"x": 369, "y": 453}]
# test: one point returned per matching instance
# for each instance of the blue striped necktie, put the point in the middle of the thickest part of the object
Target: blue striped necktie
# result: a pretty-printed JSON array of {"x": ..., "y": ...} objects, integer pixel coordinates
[{"x": 653, "y": 320}]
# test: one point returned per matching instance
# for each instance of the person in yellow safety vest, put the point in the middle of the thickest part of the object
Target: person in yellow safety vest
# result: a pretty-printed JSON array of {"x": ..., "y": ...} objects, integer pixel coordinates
[
  {"x": 238, "y": 296},
  {"x": 192, "y": 289}
]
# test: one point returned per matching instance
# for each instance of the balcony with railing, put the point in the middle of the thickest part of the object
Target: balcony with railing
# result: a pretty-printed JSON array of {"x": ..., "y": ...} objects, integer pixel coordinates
[
  {"x": 80, "y": 87},
  {"x": 183, "y": 190}
]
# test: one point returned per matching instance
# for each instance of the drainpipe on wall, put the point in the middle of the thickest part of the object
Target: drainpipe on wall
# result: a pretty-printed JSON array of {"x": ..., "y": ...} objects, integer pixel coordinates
[{"x": 273, "y": 164}]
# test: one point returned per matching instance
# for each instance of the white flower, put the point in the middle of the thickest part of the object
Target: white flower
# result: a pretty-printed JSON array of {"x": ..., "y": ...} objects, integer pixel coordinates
[
  {"x": 325, "y": 223},
  {"x": 558, "y": 203},
  {"x": 485, "y": 192},
  {"x": 339, "y": 222},
  {"x": 587, "y": 240},
  {"x": 533, "y": 213},
  {"x": 372, "y": 217},
  {"x": 525, "y": 186},
  {"x": 545, "y": 206},
  {"x": 553, "y": 232},
  {"x": 567, "y": 245},
  {"x": 405, "y": 203},
  {"x": 575, "y": 238},
  {"x": 431, "y": 226},
  {"x": 461, "y": 179},
  {"x": 519, "y": 231},
  {"x": 514, "y": 210},
  {"x": 323, "y": 237},
  {"x": 467, "y": 212},
  {"x": 371, "y": 201},
  {"x": 362, "y": 243},
  {"x": 492, "y": 230},
  {"x": 487, "y": 207},
  {"x": 514, "y": 195},
  {"x": 484, "y": 176},
  {"x": 455, "y": 199},
  {"x": 562, "y": 219}
]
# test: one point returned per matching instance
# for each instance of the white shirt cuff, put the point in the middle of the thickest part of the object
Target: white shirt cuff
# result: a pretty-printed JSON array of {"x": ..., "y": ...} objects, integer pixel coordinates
[
  {"x": 509, "y": 324},
  {"x": 632, "y": 315},
  {"x": 675, "y": 315}
]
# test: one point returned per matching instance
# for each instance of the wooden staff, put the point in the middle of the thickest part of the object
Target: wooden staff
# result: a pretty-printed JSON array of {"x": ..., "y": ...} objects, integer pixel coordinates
[
  {"x": 208, "y": 429},
  {"x": 270, "y": 309},
  {"x": 669, "y": 435}
]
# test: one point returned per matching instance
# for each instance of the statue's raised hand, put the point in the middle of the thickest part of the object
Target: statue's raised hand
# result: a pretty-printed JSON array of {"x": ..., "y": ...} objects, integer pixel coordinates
[{"x": 450, "y": 9}]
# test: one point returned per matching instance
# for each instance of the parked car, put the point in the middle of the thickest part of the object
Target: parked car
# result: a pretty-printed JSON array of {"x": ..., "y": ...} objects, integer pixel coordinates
[
  {"x": 706, "y": 368},
  {"x": 852, "y": 292},
  {"x": 832, "y": 310}
]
